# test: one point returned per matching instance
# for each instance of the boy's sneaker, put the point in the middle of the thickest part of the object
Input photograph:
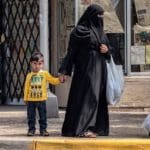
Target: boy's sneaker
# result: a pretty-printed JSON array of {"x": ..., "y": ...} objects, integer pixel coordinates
[
  {"x": 44, "y": 133},
  {"x": 31, "y": 133}
]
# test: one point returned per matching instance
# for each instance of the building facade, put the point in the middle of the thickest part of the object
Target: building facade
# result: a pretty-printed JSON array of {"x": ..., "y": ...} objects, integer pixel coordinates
[{"x": 45, "y": 25}]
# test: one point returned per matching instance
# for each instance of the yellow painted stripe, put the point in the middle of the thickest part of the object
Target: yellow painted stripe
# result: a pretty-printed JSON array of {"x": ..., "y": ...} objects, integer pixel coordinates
[{"x": 91, "y": 144}]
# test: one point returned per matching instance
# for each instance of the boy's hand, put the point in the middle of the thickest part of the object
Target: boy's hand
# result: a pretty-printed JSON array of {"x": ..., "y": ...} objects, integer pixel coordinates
[{"x": 62, "y": 78}]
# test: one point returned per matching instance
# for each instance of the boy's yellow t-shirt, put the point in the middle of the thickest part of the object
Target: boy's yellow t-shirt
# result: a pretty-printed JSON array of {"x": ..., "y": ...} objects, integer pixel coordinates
[{"x": 35, "y": 88}]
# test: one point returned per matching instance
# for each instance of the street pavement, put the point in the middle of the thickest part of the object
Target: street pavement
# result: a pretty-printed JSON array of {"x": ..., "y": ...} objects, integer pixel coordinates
[{"x": 13, "y": 127}]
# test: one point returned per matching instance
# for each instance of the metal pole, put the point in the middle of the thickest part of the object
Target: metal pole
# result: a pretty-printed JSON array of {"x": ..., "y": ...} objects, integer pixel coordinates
[
  {"x": 76, "y": 11},
  {"x": 44, "y": 32},
  {"x": 128, "y": 36}
]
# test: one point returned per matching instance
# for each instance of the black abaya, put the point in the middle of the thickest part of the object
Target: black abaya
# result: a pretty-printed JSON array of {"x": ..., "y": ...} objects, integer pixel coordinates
[{"x": 87, "y": 105}]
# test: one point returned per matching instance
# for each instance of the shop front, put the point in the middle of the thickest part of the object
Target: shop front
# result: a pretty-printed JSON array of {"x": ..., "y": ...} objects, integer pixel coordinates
[
  {"x": 29, "y": 25},
  {"x": 140, "y": 37},
  {"x": 127, "y": 24},
  {"x": 114, "y": 21},
  {"x": 127, "y": 27}
]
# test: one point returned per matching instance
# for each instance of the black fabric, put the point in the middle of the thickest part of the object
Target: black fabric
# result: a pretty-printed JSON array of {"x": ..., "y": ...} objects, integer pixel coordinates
[
  {"x": 90, "y": 19},
  {"x": 87, "y": 105},
  {"x": 116, "y": 41}
]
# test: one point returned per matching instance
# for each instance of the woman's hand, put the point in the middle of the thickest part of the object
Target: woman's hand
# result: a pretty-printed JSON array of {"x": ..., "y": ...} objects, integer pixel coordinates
[{"x": 103, "y": 48}]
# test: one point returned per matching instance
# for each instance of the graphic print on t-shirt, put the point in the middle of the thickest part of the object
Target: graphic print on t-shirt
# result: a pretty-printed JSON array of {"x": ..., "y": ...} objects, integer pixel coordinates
[{"x": 36, "y": 86}]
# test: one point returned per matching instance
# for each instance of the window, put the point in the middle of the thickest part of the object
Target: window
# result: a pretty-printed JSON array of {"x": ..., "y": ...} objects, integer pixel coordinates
[{"x": 140, "y": 36}]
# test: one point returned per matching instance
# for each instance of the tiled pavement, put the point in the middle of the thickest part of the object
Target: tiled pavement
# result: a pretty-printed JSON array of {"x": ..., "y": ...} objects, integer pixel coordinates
[{"x": 13, "y": 126}]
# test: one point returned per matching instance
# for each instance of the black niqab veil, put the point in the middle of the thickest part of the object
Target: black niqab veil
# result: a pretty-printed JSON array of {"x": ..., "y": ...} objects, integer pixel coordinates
[{"x": 90, "y": 19}]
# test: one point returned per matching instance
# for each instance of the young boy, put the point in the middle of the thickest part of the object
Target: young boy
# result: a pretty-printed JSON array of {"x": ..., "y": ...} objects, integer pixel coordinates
[{"x": 35, "y": 93}]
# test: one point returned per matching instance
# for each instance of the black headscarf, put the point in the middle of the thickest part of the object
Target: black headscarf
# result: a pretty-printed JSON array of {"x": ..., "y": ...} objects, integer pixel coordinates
[{"x": 91, "y": 20}]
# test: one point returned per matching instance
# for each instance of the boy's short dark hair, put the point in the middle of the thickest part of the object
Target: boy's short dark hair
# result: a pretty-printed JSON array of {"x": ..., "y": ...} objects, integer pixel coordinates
[{"x": 36, "y": 56}]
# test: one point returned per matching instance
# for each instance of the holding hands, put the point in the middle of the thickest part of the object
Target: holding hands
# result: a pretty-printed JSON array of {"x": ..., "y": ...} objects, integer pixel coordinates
[{"x": 63, "y": 78}]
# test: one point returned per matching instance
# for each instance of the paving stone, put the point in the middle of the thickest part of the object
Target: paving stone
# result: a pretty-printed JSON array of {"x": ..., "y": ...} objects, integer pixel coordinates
[{"x": 13, "y": 126}]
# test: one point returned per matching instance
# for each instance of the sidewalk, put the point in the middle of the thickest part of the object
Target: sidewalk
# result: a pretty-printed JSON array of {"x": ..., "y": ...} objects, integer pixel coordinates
[{"x": 13, "y": 127}]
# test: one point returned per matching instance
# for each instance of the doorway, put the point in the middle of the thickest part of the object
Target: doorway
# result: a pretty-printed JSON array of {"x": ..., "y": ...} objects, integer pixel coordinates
[{"x": 66, "y": 22}]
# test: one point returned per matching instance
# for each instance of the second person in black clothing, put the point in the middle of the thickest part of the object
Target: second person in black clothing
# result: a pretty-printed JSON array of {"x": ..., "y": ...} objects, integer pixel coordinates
[{"x": 87, "y": 109}]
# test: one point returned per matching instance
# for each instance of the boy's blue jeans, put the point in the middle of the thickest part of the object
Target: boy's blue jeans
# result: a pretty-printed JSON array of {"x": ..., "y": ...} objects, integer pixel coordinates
[{"x": 31, "y": 115}]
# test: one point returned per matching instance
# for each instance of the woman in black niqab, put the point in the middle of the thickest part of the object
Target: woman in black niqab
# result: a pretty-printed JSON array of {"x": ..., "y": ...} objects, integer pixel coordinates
[
  {"x": 93, "y": 18},
  {"x": 88, "y": 49}
]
